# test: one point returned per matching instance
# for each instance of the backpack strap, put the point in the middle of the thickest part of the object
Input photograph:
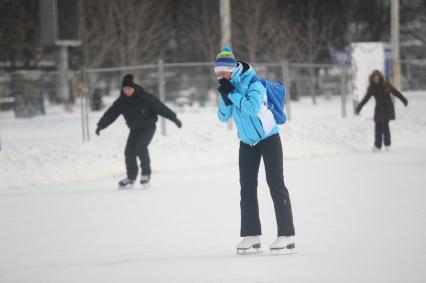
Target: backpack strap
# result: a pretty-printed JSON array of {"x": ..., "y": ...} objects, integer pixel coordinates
[{"x": 254, "y": 79}]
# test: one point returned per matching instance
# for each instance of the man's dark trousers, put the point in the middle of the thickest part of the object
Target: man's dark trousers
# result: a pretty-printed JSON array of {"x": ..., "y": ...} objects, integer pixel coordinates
[
  {"x": 249, "y": 161},
  {"x": 137, "y": 146}
]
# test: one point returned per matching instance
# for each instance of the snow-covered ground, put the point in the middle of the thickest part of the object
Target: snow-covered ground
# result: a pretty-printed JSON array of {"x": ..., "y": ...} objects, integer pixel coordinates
[
  {"x": 359, "y": 216},
  {"x": 48, "y": 149}
]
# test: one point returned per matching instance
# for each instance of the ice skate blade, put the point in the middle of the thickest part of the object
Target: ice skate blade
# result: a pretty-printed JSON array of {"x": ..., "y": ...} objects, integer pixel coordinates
[
  {"x": 255, "y": 249},
  {"x": 145, "y": 186},
  {"x": 250, "y": 251},
  {"x": 128, "y": 187},
  {"x": 290, "y": 249}
]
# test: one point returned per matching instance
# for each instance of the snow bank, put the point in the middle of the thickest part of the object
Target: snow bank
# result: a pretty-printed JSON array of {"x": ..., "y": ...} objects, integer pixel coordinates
[{"x": 48, "y": 149}]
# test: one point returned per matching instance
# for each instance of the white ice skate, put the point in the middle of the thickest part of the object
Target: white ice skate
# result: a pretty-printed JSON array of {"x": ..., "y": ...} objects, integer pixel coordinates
[
  {"x": 145, "y": 181},
  {"x": 126, "y": 184},
  {"x": 375, "y": 149},
  {"x": 249, "y": 244},
  {"x": 387, "y": 148},
  {"x": 283, "y": 245}
]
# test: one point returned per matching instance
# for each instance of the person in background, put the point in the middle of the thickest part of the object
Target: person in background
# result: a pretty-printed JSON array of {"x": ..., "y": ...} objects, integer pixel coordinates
[
  {"x": 384, "y": 111},
  {"x": 140, "y": 110}
]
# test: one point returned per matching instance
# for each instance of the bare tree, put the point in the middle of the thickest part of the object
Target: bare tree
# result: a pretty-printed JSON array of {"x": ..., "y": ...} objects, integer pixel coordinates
[
  {"x": 19, "y": 28},
  {"x": 98, "y": 42},
  {"x": 123, "y": 32},
  {"x": 313, "y": 24},
  {"x": 369, "y": 20},
  {"x": 198, "y": 29},
  {"x": 247, "y": 23},
  {"x": 413, "y": 21},
  {"x": 281, "y": 43}
]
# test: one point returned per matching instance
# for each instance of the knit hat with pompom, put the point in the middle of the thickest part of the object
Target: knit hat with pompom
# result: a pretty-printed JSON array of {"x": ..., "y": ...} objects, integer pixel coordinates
[{"x": 225, "y": 61}]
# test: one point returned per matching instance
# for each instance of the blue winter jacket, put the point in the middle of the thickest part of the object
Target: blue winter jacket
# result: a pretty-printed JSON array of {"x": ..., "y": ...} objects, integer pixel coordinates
[{"x": 253, "y": 119}]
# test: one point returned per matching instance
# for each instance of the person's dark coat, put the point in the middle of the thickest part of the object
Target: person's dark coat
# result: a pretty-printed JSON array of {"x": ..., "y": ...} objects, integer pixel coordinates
[
  {"x": 384, "y": 110},
  {"x": 140, "y": 110}
]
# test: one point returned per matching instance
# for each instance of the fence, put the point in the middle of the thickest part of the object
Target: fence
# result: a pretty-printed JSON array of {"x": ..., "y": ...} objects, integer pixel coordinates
[
  {"x": 413, "y": 74},
  {"x": 28, "y": 92}
]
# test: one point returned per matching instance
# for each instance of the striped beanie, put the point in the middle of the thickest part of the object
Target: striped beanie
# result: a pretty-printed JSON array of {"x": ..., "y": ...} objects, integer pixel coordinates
[{"x": 225, "y": 61}]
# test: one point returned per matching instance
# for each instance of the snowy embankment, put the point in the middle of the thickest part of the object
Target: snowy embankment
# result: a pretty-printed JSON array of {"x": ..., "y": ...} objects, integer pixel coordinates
[{"x": 48, "y": 149}]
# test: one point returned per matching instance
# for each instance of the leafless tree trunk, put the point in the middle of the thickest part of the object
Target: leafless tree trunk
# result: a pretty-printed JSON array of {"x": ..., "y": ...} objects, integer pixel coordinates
[
  {"x": 123, "y": 32},
  {"x": 199, "y": 29},
  {"x": 19, "y": 29},
  {"x": 313, "y": 32},
  {"x": 250, "y": 19},
  {"x": 413, "y": 16}
]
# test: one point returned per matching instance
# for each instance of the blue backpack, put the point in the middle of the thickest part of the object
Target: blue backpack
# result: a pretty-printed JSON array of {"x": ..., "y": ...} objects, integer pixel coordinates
[{"x": 275, "y": 93}]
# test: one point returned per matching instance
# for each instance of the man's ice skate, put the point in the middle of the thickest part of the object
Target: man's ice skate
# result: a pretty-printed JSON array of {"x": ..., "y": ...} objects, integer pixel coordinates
[
  {"x": 283, "y": 245},
  {"x": 249, "y": 244},
  {"x": 145, "y": 181},
  {"x": 126, "y": 183},
  {"x": 375, "y": 149}
]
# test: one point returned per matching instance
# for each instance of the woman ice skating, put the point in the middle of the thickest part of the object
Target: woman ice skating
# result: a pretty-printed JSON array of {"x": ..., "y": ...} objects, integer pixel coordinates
[
  {"x": 384, "y": 110},
  {"x": 244, "y": 99},
  {"x": 140, "y": 110}
]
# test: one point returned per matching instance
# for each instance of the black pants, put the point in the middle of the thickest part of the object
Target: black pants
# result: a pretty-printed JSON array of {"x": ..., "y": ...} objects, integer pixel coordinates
[
  {"x": 137, "y": 146},
  {"x": 381, "y": 131},
  {"x": 271, "y": 151}
]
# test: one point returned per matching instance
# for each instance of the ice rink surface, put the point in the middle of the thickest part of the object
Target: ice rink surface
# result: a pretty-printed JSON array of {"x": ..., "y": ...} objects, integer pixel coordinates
[{"x": 358, "y": 218}]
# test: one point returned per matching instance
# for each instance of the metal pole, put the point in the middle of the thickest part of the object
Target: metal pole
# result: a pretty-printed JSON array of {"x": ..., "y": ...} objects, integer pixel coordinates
[
  {"x": 87, "y": 108},
  {"x": 225, "y": 20},
  {"x": 161, "y": 93},
  {"x": 312, "y": 85},
  {"x": 62, "y": 83},
  {"x": 82, "y": 112},
  {"x": 287, "y": 82},
  {"x": 0, "y": 131},
  {"x": 85, "y": 88},
  {"x": 396, "y": 67},
  {"x": 343, "y": 89}
]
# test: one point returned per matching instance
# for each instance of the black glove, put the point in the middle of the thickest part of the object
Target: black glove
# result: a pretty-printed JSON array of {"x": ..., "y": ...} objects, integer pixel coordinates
[
  {"x": 178, "y": 123},
  {"x": 98, "y": 130},
  {"x": 224, "y": 96},
  {"x": 357, "y": 110},
  {"x": 225, "y": 87}
]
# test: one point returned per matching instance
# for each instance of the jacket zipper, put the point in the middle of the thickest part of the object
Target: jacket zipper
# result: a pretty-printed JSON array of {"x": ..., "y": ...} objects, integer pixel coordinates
[{"x": 254, "y": 126}]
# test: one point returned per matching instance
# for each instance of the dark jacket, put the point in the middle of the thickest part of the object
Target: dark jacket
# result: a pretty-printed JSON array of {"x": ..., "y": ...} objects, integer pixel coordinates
[
  {"x": 140, "y": 110},
  {"x": 384, "y": 110}
]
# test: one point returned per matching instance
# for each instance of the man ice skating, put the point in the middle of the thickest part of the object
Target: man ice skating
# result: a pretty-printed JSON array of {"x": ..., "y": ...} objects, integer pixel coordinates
[
  {"x": 384, "y": 110},
  {"x": 244, "y": 99},
  {"x": 140, "y": 110}
]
